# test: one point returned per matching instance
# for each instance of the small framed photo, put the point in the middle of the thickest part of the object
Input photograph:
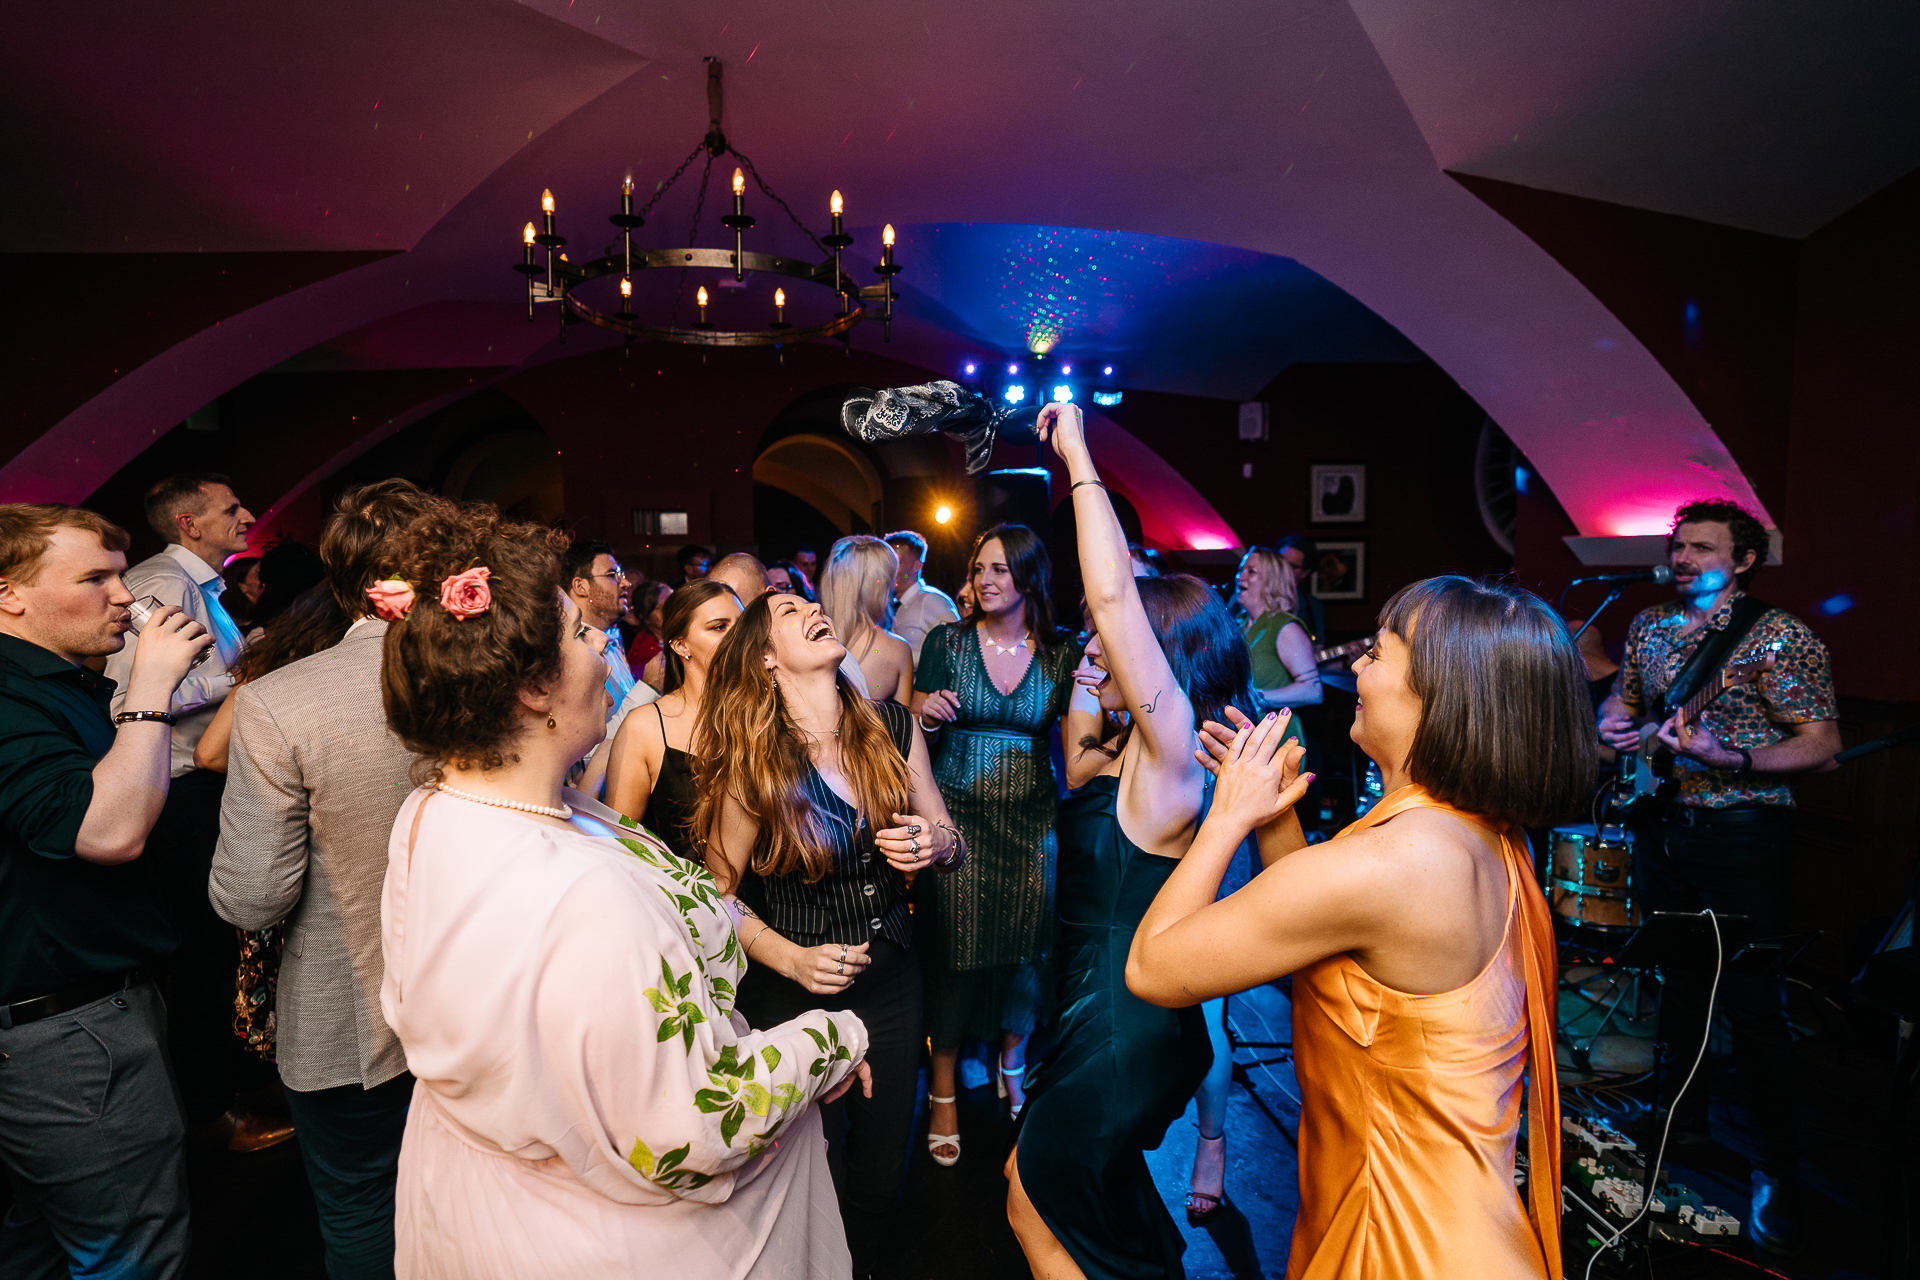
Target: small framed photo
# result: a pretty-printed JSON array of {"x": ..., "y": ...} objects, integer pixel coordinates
[
  {"x": 1340, "y": 570},
  {"x": 1337, "y": 493}
]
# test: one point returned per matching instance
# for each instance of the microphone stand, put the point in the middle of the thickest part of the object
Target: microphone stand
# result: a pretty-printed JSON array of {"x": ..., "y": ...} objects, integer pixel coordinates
[{"x": 1611, "y": 597}]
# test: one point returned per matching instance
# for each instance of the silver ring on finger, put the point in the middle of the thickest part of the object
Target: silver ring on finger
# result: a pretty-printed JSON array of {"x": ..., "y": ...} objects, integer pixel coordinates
[{"x": 840, "y": 967}]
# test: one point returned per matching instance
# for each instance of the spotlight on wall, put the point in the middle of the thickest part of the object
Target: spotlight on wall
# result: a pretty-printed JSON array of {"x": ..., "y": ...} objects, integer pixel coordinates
[
  {"x": 1015, "y": 393},
  {"x": 1063, "y": 393},
  {"x": 942, "y": 514}
]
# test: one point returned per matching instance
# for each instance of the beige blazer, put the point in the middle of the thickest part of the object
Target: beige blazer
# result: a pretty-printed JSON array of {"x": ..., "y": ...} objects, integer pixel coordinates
[{"x": 314, "y": 781}]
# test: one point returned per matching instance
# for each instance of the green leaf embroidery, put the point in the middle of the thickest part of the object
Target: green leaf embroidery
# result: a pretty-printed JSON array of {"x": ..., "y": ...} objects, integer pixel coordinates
[
  {"x": 730, "y": 1122},
  {"x": 772, "y": 1057},
  {"x": 759, "y": 1100}
]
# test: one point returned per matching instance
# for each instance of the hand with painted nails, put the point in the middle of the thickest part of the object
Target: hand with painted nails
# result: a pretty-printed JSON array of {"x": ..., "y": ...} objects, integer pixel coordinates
[{"x": 1259, "y": 775}]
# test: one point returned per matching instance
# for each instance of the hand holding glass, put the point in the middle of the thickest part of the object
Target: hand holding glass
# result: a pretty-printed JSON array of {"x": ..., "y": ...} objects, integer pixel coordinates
[{"x": 141, "y": 611}]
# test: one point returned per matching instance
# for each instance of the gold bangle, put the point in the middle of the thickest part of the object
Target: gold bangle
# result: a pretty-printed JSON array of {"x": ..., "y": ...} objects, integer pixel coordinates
[{"x": 756, "y": 937}]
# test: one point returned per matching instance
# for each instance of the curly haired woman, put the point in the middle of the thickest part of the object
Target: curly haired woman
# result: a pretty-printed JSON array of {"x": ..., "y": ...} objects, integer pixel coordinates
[{"x": 587, "y": 1103}]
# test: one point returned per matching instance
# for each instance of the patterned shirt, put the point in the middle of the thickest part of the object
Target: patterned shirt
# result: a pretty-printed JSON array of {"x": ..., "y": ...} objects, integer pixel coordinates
[{"x": 1798, "y": 690}]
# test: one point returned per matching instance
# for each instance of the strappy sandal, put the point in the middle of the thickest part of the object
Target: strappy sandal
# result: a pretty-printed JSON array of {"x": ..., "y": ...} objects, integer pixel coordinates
[
  {"x": 1000, "y": 1081},
  {"x": 1214, "y": 1203},
  {"x": 937, "y": 1140}
]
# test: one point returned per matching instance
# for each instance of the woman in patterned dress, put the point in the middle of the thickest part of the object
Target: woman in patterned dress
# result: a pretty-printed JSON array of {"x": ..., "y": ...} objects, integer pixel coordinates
[
  {"x": 587, "y": 1103},
  {"x": 993, "y": 686}
]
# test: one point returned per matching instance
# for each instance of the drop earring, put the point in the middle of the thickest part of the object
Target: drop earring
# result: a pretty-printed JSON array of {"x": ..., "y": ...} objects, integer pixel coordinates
[{"x": 550, "y": 721}]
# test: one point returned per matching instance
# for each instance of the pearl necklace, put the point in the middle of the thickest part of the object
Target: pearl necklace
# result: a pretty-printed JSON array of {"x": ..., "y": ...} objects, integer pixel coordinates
[{"x": 563, "y": 812}]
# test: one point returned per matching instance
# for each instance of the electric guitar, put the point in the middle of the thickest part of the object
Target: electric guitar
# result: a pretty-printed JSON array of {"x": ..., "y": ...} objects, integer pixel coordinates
[{"x": 1644, "y": 772}]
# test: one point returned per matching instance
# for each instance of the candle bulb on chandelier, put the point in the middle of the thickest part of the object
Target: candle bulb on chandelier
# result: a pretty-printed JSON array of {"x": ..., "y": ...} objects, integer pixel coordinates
[
  {"x": 546, "y": 209},
  {"x": 838, "y": 208},
  {"x": 626, "y": 197},
  {"x": 526, "y": 238},
  {"x": 739, "y": 191},
  {"x": 780, "y": 306},
  {"x": 886, "y": 246},
  {"x": 701, "y": 299},
  {"x": 626, "y": 294}
]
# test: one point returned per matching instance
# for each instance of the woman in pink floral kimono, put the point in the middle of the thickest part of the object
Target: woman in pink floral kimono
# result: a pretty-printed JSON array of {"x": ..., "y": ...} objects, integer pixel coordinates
[{"x": 587, "y": 1103}]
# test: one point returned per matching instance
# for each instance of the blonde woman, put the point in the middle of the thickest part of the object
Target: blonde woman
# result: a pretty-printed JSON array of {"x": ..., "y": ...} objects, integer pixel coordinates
[
  {"x": 1283, "y": 668},
  {"x": 856, "y": 591}
]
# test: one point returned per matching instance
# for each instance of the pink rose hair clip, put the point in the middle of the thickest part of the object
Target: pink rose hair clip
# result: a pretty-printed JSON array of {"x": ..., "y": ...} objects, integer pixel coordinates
[
  {"x": 392, "y": 599},
  {"x": 466, "y": 595}
]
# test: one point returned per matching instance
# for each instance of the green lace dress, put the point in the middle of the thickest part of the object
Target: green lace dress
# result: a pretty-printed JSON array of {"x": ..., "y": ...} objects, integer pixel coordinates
[{"x": 986, "y": 930}]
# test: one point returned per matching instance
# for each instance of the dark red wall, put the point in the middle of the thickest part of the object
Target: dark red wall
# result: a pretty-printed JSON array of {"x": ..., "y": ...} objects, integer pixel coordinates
[{"x": 77, "y": 322}]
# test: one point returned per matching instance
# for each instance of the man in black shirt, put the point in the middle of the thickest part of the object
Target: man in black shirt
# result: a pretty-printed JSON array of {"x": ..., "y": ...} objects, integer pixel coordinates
[{"x": 90, "y": 1129}]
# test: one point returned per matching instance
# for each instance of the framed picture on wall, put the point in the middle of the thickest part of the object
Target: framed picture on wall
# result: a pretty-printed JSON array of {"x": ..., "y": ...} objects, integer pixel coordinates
[
  {"x": 1337, "y": 493},
  {"x": 1340, "y": 570}
]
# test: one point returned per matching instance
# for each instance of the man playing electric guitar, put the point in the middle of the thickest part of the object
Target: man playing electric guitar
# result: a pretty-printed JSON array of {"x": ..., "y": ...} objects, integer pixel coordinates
[{"x": 1724, "y": 841}]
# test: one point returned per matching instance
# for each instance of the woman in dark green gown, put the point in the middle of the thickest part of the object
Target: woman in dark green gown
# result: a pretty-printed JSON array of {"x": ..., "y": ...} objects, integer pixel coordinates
[
  {"x": 988, "y": 691},
  {"x": 1120, "y": 1071}
]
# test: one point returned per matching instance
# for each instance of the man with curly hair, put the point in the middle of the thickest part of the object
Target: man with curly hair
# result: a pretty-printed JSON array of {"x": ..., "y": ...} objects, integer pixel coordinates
[{"x": 1724, "y": 842}]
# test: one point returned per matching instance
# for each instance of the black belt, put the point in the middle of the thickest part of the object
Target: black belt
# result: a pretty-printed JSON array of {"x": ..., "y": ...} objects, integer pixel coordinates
[
  {"x": 85, "y": 990},
  {"x": 1693, "y": 815}
]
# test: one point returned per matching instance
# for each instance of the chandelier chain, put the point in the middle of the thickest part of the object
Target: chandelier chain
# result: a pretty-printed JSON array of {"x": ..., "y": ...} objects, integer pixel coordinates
[
  {"x": 693, "y": 235},
  {"x": 769, "y": 193},
  {"x": 660, "y": 191}
]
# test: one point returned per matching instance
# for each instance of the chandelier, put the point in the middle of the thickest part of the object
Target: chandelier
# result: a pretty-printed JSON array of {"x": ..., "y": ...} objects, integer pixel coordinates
[{"x": 558, "y": 280}]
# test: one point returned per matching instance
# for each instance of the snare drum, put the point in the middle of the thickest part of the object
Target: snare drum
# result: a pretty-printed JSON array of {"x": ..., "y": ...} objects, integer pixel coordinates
[{"x": 1590, "y": 882}]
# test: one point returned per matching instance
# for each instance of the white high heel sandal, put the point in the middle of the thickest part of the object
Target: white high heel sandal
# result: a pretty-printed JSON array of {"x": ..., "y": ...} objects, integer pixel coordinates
[
  {"x": 1000, "y": 1080},
  {"x": 937, "y": 1140}
]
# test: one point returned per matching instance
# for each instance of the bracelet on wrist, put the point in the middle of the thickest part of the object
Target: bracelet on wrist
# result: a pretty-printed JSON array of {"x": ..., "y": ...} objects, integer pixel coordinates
[
  {"x": 1077, "y": 483},
  {"x": 161, "y": 717},
  {"x": 929, "y": 728},
  {"x": 1746, "y": 760}
]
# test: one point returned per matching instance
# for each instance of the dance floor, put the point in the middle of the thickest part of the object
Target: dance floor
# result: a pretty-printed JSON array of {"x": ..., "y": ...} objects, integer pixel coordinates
[{"x": 253, "y": 1215}]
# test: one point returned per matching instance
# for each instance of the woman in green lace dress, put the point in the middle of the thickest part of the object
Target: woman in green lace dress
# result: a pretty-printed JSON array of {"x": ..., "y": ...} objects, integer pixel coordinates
[{"x": 991, "y": 688}]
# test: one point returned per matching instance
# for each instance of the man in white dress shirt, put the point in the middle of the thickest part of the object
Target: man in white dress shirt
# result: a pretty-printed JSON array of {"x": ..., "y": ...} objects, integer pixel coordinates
[
  {"x": 918, "y": 607},
  {"x": 204, "y": 526}
]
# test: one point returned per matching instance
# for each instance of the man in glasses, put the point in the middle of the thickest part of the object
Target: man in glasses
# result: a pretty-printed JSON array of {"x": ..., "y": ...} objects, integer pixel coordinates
[{"x": 601, "y": 588}]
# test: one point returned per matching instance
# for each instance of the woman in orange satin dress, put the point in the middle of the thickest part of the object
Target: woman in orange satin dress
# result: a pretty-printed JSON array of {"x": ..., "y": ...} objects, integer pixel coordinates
[{"x": 1420, "y": 944}]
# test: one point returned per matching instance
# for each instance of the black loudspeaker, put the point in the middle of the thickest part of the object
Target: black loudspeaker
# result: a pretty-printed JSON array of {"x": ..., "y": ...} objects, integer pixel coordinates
[{"x": 1015, "y": 495}]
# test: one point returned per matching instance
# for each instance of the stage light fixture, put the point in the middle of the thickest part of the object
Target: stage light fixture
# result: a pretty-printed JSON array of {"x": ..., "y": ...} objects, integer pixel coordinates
[
  {"x": 1066, "y": 371},
  {"x": 1013, "y": 368},
  {"x": 1063, "y": 394},
  {"x": 1015, "y": 393},
  {"x": 1108, "y": 371},
  {"x": 942, "y": 514},
  {"x": 970, "y": 369},
  {"x": 1106, "y": 399}
]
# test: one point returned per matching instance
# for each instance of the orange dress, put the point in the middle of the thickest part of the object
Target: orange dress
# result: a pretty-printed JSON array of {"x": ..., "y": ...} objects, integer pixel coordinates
[{"x": 1412, "y": 1106}]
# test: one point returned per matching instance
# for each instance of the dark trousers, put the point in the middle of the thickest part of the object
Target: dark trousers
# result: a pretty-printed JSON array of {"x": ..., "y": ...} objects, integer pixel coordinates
[
  {"x": 350, "y": 1140},
  {"x": 867, "y": 1138},
  {"x": 210, "y": 1061},
  {"x": 1734, "y": 869},
  {"x": 90, "y": 1138}
]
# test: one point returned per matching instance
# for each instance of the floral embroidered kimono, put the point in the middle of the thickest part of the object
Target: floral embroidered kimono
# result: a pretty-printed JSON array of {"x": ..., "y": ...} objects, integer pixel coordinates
[{"x": 586, "y": 1103}]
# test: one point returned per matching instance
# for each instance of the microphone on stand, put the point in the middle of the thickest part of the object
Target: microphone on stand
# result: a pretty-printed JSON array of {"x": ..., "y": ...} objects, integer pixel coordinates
[{"x": 1658, "y": 573}]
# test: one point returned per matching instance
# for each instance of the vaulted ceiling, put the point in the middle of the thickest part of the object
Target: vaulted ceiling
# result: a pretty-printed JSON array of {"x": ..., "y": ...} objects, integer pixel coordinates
[{"x": 1225, "y": 186}]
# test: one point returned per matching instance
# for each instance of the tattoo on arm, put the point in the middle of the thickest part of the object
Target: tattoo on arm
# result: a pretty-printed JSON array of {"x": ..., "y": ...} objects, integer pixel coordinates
[{"x": 1149, "y": 706}]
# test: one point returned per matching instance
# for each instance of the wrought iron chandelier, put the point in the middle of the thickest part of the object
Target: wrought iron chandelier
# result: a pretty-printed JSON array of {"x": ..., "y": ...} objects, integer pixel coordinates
[{"x": 562, "y": 278}]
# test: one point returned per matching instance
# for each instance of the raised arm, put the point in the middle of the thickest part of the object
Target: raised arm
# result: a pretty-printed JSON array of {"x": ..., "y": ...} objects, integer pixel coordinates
[{"x": 1162, "y": 716}]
